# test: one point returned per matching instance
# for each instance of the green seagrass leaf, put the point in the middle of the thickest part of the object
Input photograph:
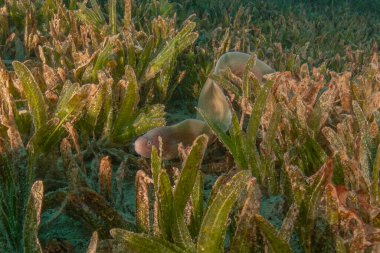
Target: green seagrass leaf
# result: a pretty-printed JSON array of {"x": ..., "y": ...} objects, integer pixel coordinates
[
  {"x": 33, "y": 94},
  {"x": 32, "y": 219},
  {"x": 183, "y": 190},
  {"x": 142, "y": 243},
  {"x": 274, "y": 241},
  {"x": 214, "y": 224}
]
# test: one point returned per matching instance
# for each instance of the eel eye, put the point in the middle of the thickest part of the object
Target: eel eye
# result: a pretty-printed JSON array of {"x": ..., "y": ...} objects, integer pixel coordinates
[{"x": 149, "y": 142}]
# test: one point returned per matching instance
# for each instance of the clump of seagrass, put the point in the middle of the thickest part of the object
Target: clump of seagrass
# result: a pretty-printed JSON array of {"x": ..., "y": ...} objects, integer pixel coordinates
[
  {"x": 176, "y": 220},
  {"x": 300, "y": 123},
  {"x": 79, "y": 81},
  {"x": 21, "y": 208},
  {"x": 93, "y": 205},
  {"x": 89, "y": 63}
]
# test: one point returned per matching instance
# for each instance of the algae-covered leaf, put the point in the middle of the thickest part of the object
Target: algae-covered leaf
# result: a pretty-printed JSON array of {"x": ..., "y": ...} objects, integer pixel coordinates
[
  {"x": 126, "y": 112},
  {"x": 32, "y": 219},
  {"x": 332, "y": 207},
  {"x": 367, "y": 157},
  {"x": 112, "y": 15},
  {"x": 142, "y": 243},
  {"x": 95, "y": 210},
  {"x": 375, "y": 185},
  {"x": 142, "y": 201},
  {"x": 107, "y": 114},
  {"x": 271, "y": 133},
  {"x": 127, "y": 14},
  {"x": 74, "y": 106},
  {"x": 146, "y": 125},
  {"x": 180, "y": 233},
  {"x": 183, "y": 39},
  {"x": 103, "y": 56},
  {"x": 315, "y": 119},
  {"x": 96, "y": 7},
  {"x": 197, "y": 204},
  {"x": 67, "y": 92},
  {"x": 336, "y": 144},
  {"x": 144, "y": 58},
  {"x": 322, "y": 109},
  {"x": 46, "y": 137},
  {"x": 245, "y": 236},
  {"x": 189, "y": 173},
  {"x": 10, "y": 117},
  {"x": 360, "y": 117},
  {"x": 274, "y": 241},
  {"x": 163, "y": 81},
  {"x": 220, "y": 181},
  {"x": 287, "y": 225},
  {"x": 224, "y": 44},
  {"x": 297, "y": 181},
  {"x": 93, "y": 16},
  {"x": 342, "y": 219},
  {"x": 238, "y": 137},
  {"x": 130, "y": 52},
  {"x": 214, "y": 224},
  {"x": 147, "y": 114},
  {"x": 160, "y": 198},
  {"x": 311, "y": 200},
  {"x": 226, "y": 85},
  {"x": 147, "y": 119},
  {"x": 184, "y": 188},
  {"x": 105, "y": 177},
  {"x": 155, "y": 165},
  {"x": 311, "y": 152},
  {"x": 33, "y": 94},
  {"x": 165, "y": 201},
  {"x": 257, "y": 112},
  {"x": 247, "y": 69},
  {"x": 218, "y": 131},
  {"x": 94, "y": 106},
  {"x": 339, "y": 245},
  {"x": 51, "y": 133}
]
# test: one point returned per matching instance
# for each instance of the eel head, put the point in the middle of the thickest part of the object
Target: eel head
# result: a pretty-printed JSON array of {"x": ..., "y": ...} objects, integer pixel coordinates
[{"x": 143, "y": 144}]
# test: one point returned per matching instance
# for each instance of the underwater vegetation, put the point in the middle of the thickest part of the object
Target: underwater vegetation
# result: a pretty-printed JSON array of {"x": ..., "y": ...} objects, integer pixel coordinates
[{"x": 298, "y": 170}]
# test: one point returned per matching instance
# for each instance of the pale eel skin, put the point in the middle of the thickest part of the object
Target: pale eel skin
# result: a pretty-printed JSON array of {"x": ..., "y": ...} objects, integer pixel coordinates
[{"x": 211, "y": 100}]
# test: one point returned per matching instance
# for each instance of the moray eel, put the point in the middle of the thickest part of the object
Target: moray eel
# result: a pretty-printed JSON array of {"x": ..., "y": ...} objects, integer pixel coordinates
[
  {"x": 184, "y": 132},
  {"x": 211, "y": 100}
]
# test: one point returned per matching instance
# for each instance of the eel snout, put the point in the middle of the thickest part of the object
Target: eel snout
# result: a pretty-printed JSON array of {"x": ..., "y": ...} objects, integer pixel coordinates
[{"x": 143, "y": 146}]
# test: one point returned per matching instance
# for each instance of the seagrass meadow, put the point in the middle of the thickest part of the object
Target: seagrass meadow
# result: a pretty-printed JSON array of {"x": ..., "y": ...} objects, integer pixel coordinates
[{"x": 298, "y": 170}]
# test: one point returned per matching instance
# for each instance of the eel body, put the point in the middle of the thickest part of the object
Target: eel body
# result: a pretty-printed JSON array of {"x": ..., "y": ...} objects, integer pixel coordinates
[
  {"x": 184, "y": 132},
  {"x": 211, "y": 100},
  {"x": 236, "y": 61}
]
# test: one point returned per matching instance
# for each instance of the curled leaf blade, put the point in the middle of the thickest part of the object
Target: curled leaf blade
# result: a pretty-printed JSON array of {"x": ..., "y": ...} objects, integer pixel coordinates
[
  {"x": 275, "y": 242},
  {"x": 126, "y": 112},
  {"x": 218, "y": 131}
]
